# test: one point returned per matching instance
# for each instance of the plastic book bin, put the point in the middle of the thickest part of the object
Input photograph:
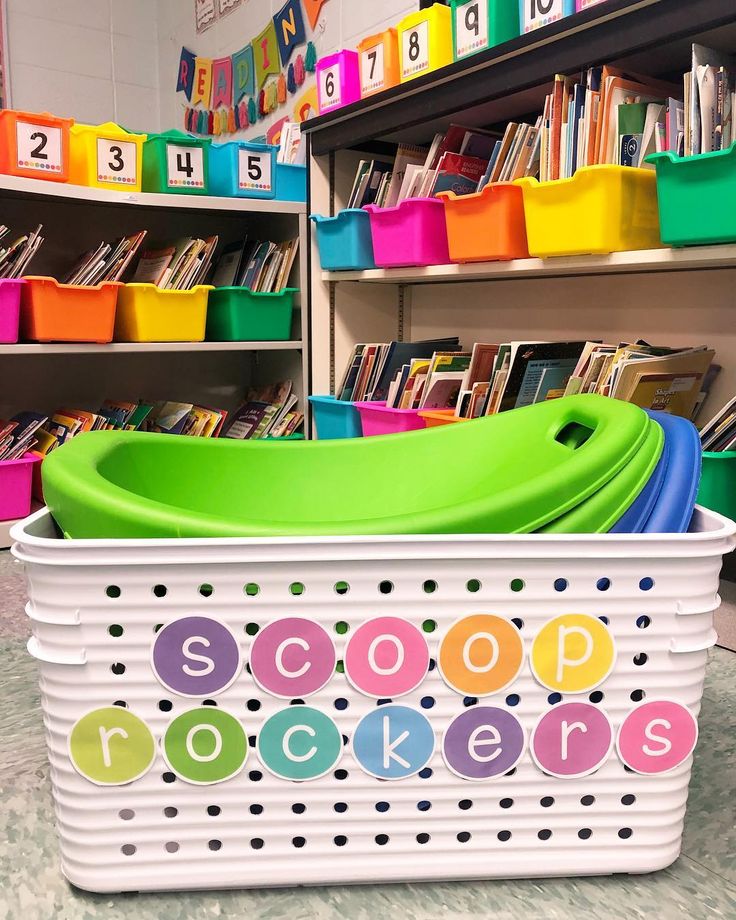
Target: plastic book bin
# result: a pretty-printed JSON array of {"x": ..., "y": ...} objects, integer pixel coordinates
[
  {"x": 601, "y": 209},
  {"x": 188, "y": 158},
  {"x": 291, "y": 182},
  {"x": 524, "y": 468},
  {"x": 480, "y": 24},
  {"x": 53, "y": 312},
  {"x": 106, "y": 156},
  {"x": 581, "y": 5},
  {"x": 34, "y": 145},
  {"x": 718, "y": 482},
  {"x": 486, "y": 226},
  {"x": 16, "y": 482},
  {"x": 335, "y": 418},
  {"x": 344, "y": 241},
  {"x": 10, "y": 290},
  {"x": 237, "y": 314},
  {"x": 532, "y": 15},
  {"x": 433, "y": 418},
  {"x": 378, "y": 418},
  {"x": 425, "y": 41},
  {"x": 379, "y": 62},
  {"x": 412, "y": 233},
  {"x": 242, "y": 169},
  {"x": 147, "y": 313},
  {"x": 338, "y": 80},
  {"x": 697, "y": 197},
  {"x": 675, "y": 502}
]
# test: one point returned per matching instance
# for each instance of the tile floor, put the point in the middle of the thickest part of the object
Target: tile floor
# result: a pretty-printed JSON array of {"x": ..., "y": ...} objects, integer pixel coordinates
[{"x": 701, "y": 884}]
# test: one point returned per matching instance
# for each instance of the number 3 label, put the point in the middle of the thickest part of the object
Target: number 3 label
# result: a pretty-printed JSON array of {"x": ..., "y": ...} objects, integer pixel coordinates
[
  {"x": 254, "y": 171},
  {"x": 371, "y": 69},
  {"x": 329, "y": 88},
  {"x": 471, "y": 27},
  {"x": 39, "y": 147},
  {"x": 415, "y": 50},
  {"x": 184, "y": 166},
  {"x": 116, "y": 161}
]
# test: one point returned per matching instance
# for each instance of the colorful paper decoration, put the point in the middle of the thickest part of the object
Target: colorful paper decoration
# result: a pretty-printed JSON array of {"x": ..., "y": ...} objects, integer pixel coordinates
[
  {"x": 185, "y": 77},
  {"x": 227, "y": 6},
  {"x": 244, "y": 76},
  {"x": 273, "y": 135},
  {"x": 310, "y": 59},
  {"x": 306, "y": 106},
  {"x": 290, "y": 80},
  {"x": 266, "y": 52},
  {"x": 252, "y": 112},
  {"x": 202, "y": 88},
  {"x": 289, "y": 26},
  {"x": 312, "y": 8},
  {"x": 204, "y": 14},
  {"x": 300, "y": 74},
  {"x": 281, "y": 89},
  {"x": 222, "y": 82}
]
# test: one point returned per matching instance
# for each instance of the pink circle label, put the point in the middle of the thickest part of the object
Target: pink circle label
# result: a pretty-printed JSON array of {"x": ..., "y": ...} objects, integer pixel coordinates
[
  {"x": 386, "y": 657},
  {"x": 657, "y": 736},
  {"x": 292, "y": 657},
  {"x": 572, "y": 739}
]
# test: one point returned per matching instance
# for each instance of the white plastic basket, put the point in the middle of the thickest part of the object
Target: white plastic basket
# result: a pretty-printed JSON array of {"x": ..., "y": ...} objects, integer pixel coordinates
[{"x": 258, "y": 830}]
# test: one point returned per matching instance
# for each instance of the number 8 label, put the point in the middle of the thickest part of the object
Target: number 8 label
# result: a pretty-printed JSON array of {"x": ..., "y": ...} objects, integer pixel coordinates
[
  {"x": 116, "y": 161},
  {"x": 329, "y": 89},
  {"x": 184, "y": 166},
  {"x": 415, "y": 50},
  {"x": 372, "y": 75},
  {"x": 254, "y": 171},
  {"x": 38, "y": 147}
]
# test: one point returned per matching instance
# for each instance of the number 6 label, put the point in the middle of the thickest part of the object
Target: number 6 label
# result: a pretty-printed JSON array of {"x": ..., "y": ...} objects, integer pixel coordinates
[
  {"x": 415, "y": 50},
  {"x": 254, "y": 171},
  {"x": 38, "y": 147},
  {"x": 184, "y": 166},
  {"x": 116, "y": 161},
  {"x": 471, "y": 28},
  {"x": 329, "y": 88}
]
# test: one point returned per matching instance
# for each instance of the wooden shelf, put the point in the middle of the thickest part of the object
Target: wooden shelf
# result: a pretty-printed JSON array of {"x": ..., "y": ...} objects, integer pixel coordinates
[
  {"x": 645, "y": 260},
  {"x": 121, "y": 348}
]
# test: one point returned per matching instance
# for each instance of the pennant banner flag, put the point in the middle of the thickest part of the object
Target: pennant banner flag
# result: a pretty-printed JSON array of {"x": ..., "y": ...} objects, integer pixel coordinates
[
  {"x": 313, "y": 7},
  {"x": 185, "y": 77},
  {"x": 222, "y": 82},
  {"x": 266, "y": 53},
  {"x": 202, "y": 88},
  {"x": 244, "y": 77},
  {"x": 289, "y": 29}
]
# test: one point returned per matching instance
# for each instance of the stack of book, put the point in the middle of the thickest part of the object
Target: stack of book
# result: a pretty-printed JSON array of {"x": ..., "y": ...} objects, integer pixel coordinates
[
  {"x": 179, "y": 266},
  {"x": 19, "y": 434},
  {"x": 263, "y": 267},
  {"x": 108, "y": 262},
  {"x": 292, "y": 145},
  {"x": 268, "y": 411},
  {"x": 719, "y": 433},
  {"x": 16, "y": 256}
]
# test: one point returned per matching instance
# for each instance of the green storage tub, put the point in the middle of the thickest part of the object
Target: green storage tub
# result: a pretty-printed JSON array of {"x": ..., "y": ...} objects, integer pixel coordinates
[
  {"x": 718, "y": 482},
  {"x": 175, "y": 162},
  {"x": 237, "y": 314},
  {"x": 697, "y": 197}
]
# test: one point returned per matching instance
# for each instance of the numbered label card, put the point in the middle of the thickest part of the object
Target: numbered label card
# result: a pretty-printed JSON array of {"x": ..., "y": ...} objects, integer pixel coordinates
[
  {"x": 542, "y": 12},
  {"x": 330, "y": 91},
  {"x": 38, "y": 147},
  {"x": 254, "y": 171},
  {"x": 415, "y": 50},
  {"x": 471, "y": 28},
  {"x": 372, "y": 69},
  {"x": 184, "y": 166},
  {"x": 116, "y": 161}
]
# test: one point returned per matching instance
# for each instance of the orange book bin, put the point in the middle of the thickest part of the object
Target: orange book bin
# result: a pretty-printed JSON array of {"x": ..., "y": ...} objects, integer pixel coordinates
[
  {"x": 433, "y": 418},
  {"x": 53, "y": 312},
  {"x": 378, "y": 56},
  {"x": 34, "y": 145},
  {"x": 486, "y": 226}
]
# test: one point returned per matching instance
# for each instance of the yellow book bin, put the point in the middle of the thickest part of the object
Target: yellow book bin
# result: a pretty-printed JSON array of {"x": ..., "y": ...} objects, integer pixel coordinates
[
  {"x": 147, "y": 313},
  {"x": 105, "y": 156},
  {"x": 601, "y": 209},
  {"x": 425, "y": 41}
]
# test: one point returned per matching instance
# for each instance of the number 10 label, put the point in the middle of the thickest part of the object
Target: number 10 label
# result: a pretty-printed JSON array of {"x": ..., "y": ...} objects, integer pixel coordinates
[
  {"x": 541, "y": 12},
  {"x": 372, "y": 75},
  {"x": 39, "y": 147},
  {"x": 184, "y": 166},
  {"x": 254, "y": 171},
  {"x": 471, "y": 28},
  {"x": 415, "y": 50},
  {"x": 116, "y": 161}
]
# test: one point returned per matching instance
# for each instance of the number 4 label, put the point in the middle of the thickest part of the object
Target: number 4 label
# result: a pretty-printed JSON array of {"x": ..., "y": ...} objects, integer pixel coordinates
[
  {"x": 329, "y": 88},
  {"x": 116, "y": 161},
  {"x": 184, "y": 166},
  {"x": 471, "y": 27},
  {"x": 372, "y": 76},
  {"x": 415, "y": 50},
  {"x": 38, "y": 147},
  {"x": 254, "y": 171}
]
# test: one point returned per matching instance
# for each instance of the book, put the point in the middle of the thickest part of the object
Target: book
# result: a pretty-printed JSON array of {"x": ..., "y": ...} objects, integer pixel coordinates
[
  {"x": 528, "y": 360},
  {"x": 459, "y": 174}
]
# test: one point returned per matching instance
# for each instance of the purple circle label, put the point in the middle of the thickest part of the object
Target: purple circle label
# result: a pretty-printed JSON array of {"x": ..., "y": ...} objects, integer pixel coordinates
[
  {"x": 483, "y": 742},
  {"x": 572, "y": 739},
  {"x": 292, "y": 657},
  {"x": 196, "y": 656}
]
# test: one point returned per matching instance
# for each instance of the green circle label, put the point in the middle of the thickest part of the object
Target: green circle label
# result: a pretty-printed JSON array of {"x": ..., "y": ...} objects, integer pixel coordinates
[
  {"x": 111, "y": 746},
  {"x": 299, "y": 743},
  {"x": 205, "y": 746}
]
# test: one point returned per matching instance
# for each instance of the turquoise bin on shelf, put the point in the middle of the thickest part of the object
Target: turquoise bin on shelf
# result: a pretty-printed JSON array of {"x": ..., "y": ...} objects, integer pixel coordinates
[
  {"x": 335, "y": 418},
  {"x": 291, "y": 182},
  {"x": 241, "y": 169},
  {"x": 344, "y": 241}
]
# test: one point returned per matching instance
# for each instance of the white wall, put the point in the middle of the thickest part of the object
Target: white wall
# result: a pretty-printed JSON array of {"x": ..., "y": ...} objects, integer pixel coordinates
[
  {"x": 93, "y": 60},
  {"x": 342, "y": 23}
]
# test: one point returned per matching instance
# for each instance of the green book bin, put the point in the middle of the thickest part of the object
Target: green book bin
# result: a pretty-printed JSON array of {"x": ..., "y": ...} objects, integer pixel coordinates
[
  {"x": 718, "y": 482},
  {"x": 237, "y": 314},
  {"x": 177, "y": 163},
  {"x": 697, "y": 197},
  {"x": 481, "y": 24}
]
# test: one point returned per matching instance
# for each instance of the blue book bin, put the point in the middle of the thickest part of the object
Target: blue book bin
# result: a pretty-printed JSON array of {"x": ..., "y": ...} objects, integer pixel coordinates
[
  {"x": 239, "y": 169},
  {"x": 334, "y": 418},
  {"x": 344, "y": 241},
  {"x": 533, "y": 14},
  {"x": 291, "y": 182}
]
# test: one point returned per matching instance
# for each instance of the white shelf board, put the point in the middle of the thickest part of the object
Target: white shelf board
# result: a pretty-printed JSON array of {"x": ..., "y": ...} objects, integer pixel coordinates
[
  {"x": 80, "y": 348},
  {"x": 40, "y": 188},
  {"x": 634, "y": 262}
]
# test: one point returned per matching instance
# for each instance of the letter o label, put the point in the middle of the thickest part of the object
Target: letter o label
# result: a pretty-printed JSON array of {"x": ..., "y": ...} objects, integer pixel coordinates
[
  {"x": 386, "y": 657},
  {"x": 481, "y": 654}
]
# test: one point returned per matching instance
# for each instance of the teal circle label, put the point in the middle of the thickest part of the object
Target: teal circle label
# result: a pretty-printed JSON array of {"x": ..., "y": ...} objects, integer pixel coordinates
[
  {"x": 205, "y": 746},
  {"x": 299, "y": 743}
]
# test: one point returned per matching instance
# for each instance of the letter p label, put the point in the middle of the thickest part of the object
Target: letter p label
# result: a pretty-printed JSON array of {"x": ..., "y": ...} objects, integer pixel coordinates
[{"x": 573, "y": 653}]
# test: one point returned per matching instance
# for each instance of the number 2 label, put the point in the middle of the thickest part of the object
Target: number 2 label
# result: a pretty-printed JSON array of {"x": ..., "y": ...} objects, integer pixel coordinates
[
  {"x": 329, "y": 90},
  {"x": 184, "y": 166},
  {"x": 471, "y": 27},
  {"x": 38, "y": 147},
  {"x": 372, "y": 75},
  {"x": 415, "y": 50},
  {"x": 116, "y": 161},
  {"x": 254, "y": 171}
]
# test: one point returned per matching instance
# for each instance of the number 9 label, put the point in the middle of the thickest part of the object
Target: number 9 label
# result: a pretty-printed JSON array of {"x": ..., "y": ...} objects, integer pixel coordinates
[
  {"x": 38, "y": 147},
  {"x": 184, "y": 166},
  {"x": 415, "y": 51},
  {"x": 254, "y": 171},
  {"x": 330, "y": 93},
  {"x": 116, "y": 161},
  {"x": 471, "y": 28}
]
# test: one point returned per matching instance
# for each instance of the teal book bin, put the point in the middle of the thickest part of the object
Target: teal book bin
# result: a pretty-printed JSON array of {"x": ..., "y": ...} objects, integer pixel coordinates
[
  {"x": 335, "y": 418},
  {"x": 175, "y": 162},
  {"x": 240, "y": 169},
  {"x": 291, "y": 182},
  {"x": 344, "y": 241},
  {"x": 481, "y": 24}
]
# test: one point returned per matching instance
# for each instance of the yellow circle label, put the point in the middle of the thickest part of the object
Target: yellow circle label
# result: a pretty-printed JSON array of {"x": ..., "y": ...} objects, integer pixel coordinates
[
  {"x": 481, "y": 654},
  {"x": 573, "y": 653}
]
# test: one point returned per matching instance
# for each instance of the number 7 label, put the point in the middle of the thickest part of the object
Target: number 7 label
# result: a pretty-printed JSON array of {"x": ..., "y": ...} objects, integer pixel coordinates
[{"x": 372, "y": 70}]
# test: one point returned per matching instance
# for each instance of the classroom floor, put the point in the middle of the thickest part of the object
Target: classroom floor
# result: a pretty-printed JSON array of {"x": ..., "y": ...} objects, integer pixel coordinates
[{"x": 701, "y": 884}]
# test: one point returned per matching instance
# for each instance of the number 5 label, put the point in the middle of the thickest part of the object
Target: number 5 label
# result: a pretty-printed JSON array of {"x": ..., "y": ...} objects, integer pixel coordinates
[
  {"x": 184, "y": 166},
  {"x": 471, "y": 28},
  {"x": 254, "y": 171},
  {"x": 116, "y": 161},
  {"x": 415, "y": 50},
  {"x": 372, "y": 75},
  {"x": 38, "y": 147},
  {"x": 329, "y": 88}
]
